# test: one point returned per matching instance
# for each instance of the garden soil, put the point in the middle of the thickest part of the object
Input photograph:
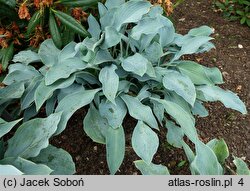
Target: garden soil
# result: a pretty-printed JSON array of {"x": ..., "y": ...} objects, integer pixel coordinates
[{"x": 231, "y": 56}]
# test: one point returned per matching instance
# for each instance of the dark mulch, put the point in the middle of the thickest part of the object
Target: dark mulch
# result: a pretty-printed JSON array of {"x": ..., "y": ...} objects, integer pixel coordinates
[{"x": 223, "y": 123}]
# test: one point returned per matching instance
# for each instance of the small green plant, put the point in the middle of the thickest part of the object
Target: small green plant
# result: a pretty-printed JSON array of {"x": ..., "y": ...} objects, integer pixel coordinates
[
  {"x": 235, "y": 10},
  {"x": 130, "y": 65}
]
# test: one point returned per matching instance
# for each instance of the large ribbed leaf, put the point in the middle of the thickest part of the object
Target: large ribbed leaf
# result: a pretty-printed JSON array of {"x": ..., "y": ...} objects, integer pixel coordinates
[
  {"x": 57, "y": 159},
  {"x": 26, "y": 166},
  {"x": 115, "y": 147},
  {"x": 139, "y": 111},
  {"x": 110, "y": 82},
  {"x": 5, "y": 127},
  {"x": 151, "y": 169},
  {"x": 32, "y": 136},
  {"x": 228, "y": 98},
  {"x": 71, "y": 103},
  {"x": 181, "y": 84},
  {"x": 145, "y": 142}
]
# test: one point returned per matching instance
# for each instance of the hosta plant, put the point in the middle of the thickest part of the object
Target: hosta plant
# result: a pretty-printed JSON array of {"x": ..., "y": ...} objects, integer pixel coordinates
[{"x": 131, "y": 65}]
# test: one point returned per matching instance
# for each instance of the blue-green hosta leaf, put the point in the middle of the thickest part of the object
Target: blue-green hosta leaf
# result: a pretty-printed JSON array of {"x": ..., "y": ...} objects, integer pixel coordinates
[
  {"x": 220, "y": 149},
  {"x": 115, "y": 148},
  {"x": 184, "y": 119},
  {"x": 71, "y": 103},
  {"x": 145, "y": 142},
  {"x": 174, "y": 135},
  {"x": 192, "y": 45},
  {"x": 214, "y": 75},
  {"x": 26, "y": 166},
  {"x": 88, "y": 77},
  {"x": 188, "y": 151},
  {"x": 94, "y": 27},
  {"x": 102, "y": 9},
  {"x": 12, "y": 91},
  {"x": 114, "y": 3},
  {"x": 136, "y": 64},
  {"x": 26, "y": 57},
  {"x": 29, "y": 95},
  {"x": 95, "y": 126},
  {"x": 228, "y": 98},
  {"x": 112, "y": 37},
  {"x": 44, "y": 92},
  {"x": 242, "y": 168},
  {"x": 130, "y": 12},
  {"x": 153, "y": 52},
  {"x": 57, "y": 159},
  {"x": 167, "y": 29},
  {"x": 5, "y": 127},
  {"x": 181, "y": 84},
  {"x": 20, "y": 73},
  {"x": 48, "y": 53},
  {"x": 102, "y": 56},
  {"x": 67, "y": 52},
  {"x": 199, "y": 109},
  {"x": 29, "y": 113},
  {"x": 64, "y": 69},
  {"x": 110, "y": 82},
  {"x": 9, "y": 170},
  {"x": 201, "y": 31},
  {"x": 205, "y": 161},
  {"x": 144, "y": 93},
  {"x": 139, "y": 111},
  {"x": 196, "y": 72},
  {"x": 151, "y": 169},
  {"x": 158, "y": 110},
  {"x": 32, "y": 136},
  {"x": 114, "y": 113}
]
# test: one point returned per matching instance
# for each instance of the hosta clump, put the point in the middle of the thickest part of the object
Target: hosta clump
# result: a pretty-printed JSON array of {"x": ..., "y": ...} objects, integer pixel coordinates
[{"x": 130, "y": 65}]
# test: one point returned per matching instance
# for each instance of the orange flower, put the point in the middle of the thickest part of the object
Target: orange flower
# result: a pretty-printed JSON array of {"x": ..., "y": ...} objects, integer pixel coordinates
[
  {"x": 23, "y": 12},
  {"x": 79, "y": 14},
  {"x": 3, "y": 43},
  {"x": 47, "y": 2},
  {"x": 37, "y": 3}
]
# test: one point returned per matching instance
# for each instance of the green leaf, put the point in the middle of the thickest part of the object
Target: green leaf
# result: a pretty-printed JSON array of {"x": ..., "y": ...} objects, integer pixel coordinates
[
  {"x": 20, "y": 73},
  {"x": 201, "y": 31},
  {"x": 110, "y": 82},
  {"x": 174, "y": 135},
  {"x": 130, "y": 12},
  {"x": 57, "y": 159},
  {"x": 7, "y": 56},
  {"x": 33, "y": 22},
  {"x": 54, "y": 31},
  {"x": 12, "y": 91},
  {"x": 79, "y": 3},
  {"x": 43, "y": 92},
  {"x": 26, "y": 57},
  {"x": 220, "y": 149},
  {"x": 32, "y": 136},
  {"x": 195, "y": 72},
  {"x": 95, "y": 126},
  {"x": 136, "y": 64},
  {"x": 71, "y": 103},
  {"x": 139, "y": 111},
  {"x": 228, "y": 98},
  {"x": 112, "y": 37},
  {"x": 94, "y": 27},
  {"x": 48, "y": 53},
  {"x": 9, "y": 170},
  {"x": 145, "y": 142},
  {"x": 205, "y": 161},
  {"x": 199, "y": 109},
  {"x": 64, "y": 69},
  {"x": 5, "y": 127},
  {"x": 151, "y": 169},
  {"x": 114, "y": 113},
  {"x": 242, "y": 168},
  {"x": 184, "y": 119},
  {"x": 26, "y": 166},
  {"x": 181, "y": 84},
  {"x": 192, "y": 45},
  {"x": 71, "y": 23},
  {"x": 115, "y": 148}
]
